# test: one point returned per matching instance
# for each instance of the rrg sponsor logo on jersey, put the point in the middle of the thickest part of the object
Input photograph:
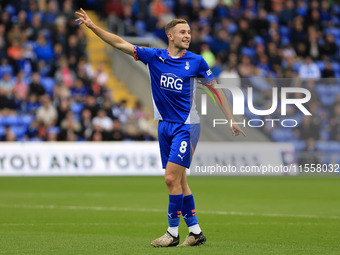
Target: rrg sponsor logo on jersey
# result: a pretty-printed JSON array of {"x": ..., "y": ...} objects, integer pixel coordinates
[{"x": 171, "y": 82}]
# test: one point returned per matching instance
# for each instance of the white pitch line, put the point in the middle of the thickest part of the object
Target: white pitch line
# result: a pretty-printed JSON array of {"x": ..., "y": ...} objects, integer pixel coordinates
[
  {"x": 101, "y": 208},
  {"x": 157, "y": 224}
]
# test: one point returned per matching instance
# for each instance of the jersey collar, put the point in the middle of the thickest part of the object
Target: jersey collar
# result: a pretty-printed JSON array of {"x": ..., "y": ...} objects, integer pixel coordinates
[{"x": 184, "y": 52}]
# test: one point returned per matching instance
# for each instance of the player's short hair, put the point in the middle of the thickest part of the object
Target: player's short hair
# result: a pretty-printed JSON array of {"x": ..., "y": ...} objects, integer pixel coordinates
[{"x": 173, "y": 23}]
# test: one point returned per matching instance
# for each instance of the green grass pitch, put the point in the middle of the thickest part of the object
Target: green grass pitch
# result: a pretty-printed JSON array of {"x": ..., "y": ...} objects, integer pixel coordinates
[{"x": 121, "y": 215}]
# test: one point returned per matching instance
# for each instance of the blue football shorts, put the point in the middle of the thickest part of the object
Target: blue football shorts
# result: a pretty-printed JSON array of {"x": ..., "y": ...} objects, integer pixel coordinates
[{"x": 177, "y": 142}]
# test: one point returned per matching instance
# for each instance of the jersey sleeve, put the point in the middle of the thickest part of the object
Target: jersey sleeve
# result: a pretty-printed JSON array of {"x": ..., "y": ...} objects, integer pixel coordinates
[
  {"x": 143, "y": 54},
  {"x": 206, "y": 74}
]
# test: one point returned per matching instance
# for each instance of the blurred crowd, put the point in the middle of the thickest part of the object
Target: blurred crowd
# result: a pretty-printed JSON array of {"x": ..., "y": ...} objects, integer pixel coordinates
[
  {"x": 41, "y": 48},
  {"x": 48, "y": 89}
]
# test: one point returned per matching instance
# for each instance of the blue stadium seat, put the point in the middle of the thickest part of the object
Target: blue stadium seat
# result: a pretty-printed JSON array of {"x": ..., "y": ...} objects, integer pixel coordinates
[
  {"x": 328, "y": 147},
  {"x": 328, "y": 100},
  {"x": 19, "y": 131},
  {"x": 336, "y": 66},
  {"x": 11, "y": 120},
  {"x": 232, "y": 28},
  {"x": 327, "y": 93},
  {"x": 249, "y": 114},
  {"x": 25, "y": 120},
  {"x": 247, "y": 51},
  {"x": 140, "y": 27},
  {"x": 337, "y": 41},
  {"x": 48, "y": 84},
  {"x": 327, "y": 90},
  {"x": 321, "y": 89},
  {"x": 285, "y": 40},
  {"x": 76, "y": 108},
  {"x": 338, "y": 162},
  {"x": 6, "y": 69},
  {"x": 324, "y": 134},
  {"x": 285, "y": 31},
  {"x": 299, "y": 145},
  {"x": 259, "y": 83},
  {"x": 54, "y": 129},
  {"x": 283, "y": 135},
  {"x": 334, "y": 147},
  {"x": 297, "y": 66},
  {"x": 298, "y": 117},
  {"x": 336, "y": 9},
  {"x": 320, "y": 64},
  {"x": 272, "y": 18},
  {"x": 336, "y": 21},
  {"x": 259, "y": 40}
]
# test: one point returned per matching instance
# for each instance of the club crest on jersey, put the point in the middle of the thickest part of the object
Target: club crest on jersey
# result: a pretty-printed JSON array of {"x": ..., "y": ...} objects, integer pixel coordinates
[
  {"x": 209, "y": 72},
  {"x": 187, "y": 65},
  {"x": 172, "y": 82}
]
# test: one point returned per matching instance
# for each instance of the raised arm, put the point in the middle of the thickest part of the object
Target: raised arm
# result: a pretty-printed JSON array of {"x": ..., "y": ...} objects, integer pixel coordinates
[{"x": 112, "y": 39}]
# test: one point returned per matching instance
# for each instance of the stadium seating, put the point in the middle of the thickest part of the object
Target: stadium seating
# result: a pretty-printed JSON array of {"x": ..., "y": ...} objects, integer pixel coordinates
[{"x": 94, "y": 49}]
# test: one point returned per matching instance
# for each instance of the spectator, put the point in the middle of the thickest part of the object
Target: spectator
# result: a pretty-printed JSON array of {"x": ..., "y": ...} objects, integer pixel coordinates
[
  {"x": 328, "y": 71},
  {"x": 74, "y": 47},
  {"x": 101, "y": 122},
  {"x": 8, "y": 136},
  {"x": 35, "y": 86},
  {"x": 230, "y": 76},
  {"x": 86, "y": 123},
  {"x": 309, "y": 129},
  {"x": 261, "y": 24},
  {"x": 44, "y": 49},
  {"x": 117, "y": 133},
  {"x": 13, "y": 52},
  {"x": 209, "y": 4},
  {"x": 79, "y": 91},
  {"x": 329, "y": 48},
  {"x": 20, "y": 87},
  {"x": 69, "y": 123},
  {"x": 32, "y": 104},
  {"x": 245, "y": 68},
  {"x": 97, "y": 137},
  {"x": 62, "y": 109},
  {"x": 121, "y": 112},
  {"x": 221, "y": 43},
  {"x": 247, "y": 35},
  {"x": 313, "y": 44},
  {"x": 50, "y": 14},
  {"x": 147, "y": 126},
  {"x": 47, "y": 114},
  {"x": 92, "y": 105},
  {"x": 309, "y": 153},
  {"x": 114, "y": 7},
  {"x": 208, "y": 56},
  {"x": 309, "y": 70},
  {"x": 6, "y": 86},
  {"x": 182, "y": 9},
  {"x": 52, "y": 135},
  {"x": 64, "y": 74},
  {"x": 101, "y": 75},
  {"x": 288, "y": 13}
]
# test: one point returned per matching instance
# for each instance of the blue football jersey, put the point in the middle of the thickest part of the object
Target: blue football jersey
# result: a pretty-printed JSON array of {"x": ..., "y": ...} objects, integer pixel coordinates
[{"x": 173, "y": 92}]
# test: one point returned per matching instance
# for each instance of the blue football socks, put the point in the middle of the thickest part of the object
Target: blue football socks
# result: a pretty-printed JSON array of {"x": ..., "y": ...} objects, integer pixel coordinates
[
  {"x": 175, "y": 209},
  {"x": 188, "y": 211}
]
